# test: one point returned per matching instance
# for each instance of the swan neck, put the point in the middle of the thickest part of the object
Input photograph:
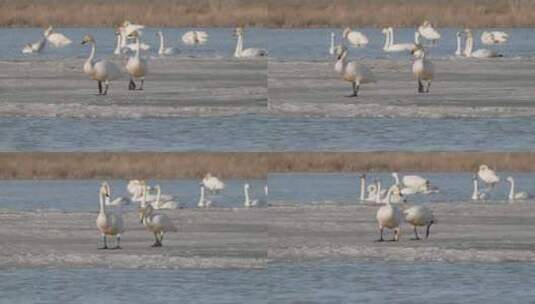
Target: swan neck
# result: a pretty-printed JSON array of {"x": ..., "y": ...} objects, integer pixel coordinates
[
  {"x": 138, "y": 47},
  {"x": 158, "y": 195},
  {"x": 458, "y": 51},
  {"x": 101, "y": 197},
  {"x": 387, "y": 40},
  {"x": 239, "y": 45},
  {"x": 161, "y": 43},
  {"x": 118, "y": 47},
  {"x": 396, "y": 177},
  {"x": 469, "y": 46},
  {"x": 201, "y": 198},
  {"x": 391, "y": 30},
  {"x": 388, "y": 195},
  {"x": 92, "y": 54},
  {"x": 378, "y": 193},
  {"x": 475, "y": 193},
  {"x": 332, "y": 42},
  {"x": 362, "y": 187},
  {"x": 512, "y": 190},
  {"x": 246, "y": 193}
]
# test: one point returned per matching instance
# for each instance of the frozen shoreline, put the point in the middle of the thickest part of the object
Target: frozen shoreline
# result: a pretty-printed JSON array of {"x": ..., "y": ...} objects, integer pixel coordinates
[{"x": 240, "y": 238}]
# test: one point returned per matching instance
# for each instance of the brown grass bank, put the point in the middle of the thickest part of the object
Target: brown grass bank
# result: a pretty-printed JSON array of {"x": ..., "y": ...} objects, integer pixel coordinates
[
  {"x": 40, "y": 165},
  {"x": 272, "y": 13}
]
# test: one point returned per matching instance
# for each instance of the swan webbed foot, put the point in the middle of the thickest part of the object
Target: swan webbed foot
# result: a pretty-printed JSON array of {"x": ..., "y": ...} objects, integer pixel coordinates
[
  {"x": 101, "y": 248},
  {"x": 131, "y": 85},
  {"x": 380, "y": 240},
  {"x": 156, "y": 244}
]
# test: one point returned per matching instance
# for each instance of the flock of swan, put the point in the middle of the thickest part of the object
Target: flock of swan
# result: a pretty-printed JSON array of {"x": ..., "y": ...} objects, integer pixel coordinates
[
  {"x": 390, "y": 215},
  {"x": 423, "y": 69},
  {"x": 104, "y": 71},
  {"x": 110, "y": 217}
]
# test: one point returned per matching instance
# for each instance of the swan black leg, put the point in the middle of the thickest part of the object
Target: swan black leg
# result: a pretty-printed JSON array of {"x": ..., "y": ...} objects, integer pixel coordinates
[
  {"x": 131, "y": 85},
  {"x": 104, "y": 242},
  {"x": 99, "y": 87},
  {"x": 141, "y": 86},
  {"x": 420, "y": 86},
  {"x": 416, "y": 237},
  {"x": 428, "y": 86},
  {"x": 355, "y": 90},
  {"x": 381, "y": 232},
  {"x": 428, "y": 231},
  {"x": 106, "y": 86}
]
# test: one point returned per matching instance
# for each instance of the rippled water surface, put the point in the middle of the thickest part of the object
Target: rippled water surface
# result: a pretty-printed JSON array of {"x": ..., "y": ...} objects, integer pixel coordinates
[
  {"x": 266, "y": 133},
  {"x": 362, "y": 282}
]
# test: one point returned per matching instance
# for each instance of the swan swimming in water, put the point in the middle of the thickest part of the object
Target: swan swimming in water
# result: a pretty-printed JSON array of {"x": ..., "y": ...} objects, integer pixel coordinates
[
  {"x": 99, "y": 70},
  {"x": 165, "y": 50},
  {"x": 390, "y": 46},
  {"x": 195, "y": 38},
  {"x": 480, "y": 53},
  {"x": 160, "y": 203},
  {"x": 494, "y": 37},
  {"x": 56, "y": 39},
  {"x": 420, "y": 216},
  {"x": 423, "y": 70},
  {"x": 355, "y": 38},
  {"x": 203, "y": 202},
  {"x": 251, "y": 202},
  {"x": 488, "y": 176},
  {"x": 354, "y": 72},
  {"x": 35, "y": 47},
  {"x": 389, "y": 216},
  {"x": 136, "y": 66},
  {"x": 158, "y": 224},
  {"x": 428, "y": 32},
  {"x": 212, "y": 183},
  {"x": 109, "y": 223},
  {"x": 412, "y": 184},
  {"x": 240, "y": 52},
  {"x": 515, "y": 196}
]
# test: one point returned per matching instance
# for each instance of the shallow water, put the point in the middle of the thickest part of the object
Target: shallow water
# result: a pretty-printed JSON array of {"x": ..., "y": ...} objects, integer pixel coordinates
[
  {"x": 266, "y": 133},
  {"x": 82, "y": 195},
  {"x": 302, "y": 44},
  {"x": 334, "y": 188},
  {"x": 322, "y": 282}
]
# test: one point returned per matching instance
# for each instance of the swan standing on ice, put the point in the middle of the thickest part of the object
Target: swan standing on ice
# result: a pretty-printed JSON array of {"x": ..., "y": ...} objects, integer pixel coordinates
[
  {"x": 390, "y": 46},
  {"x": 246, "y": 53},
  {"x": 194, "y": 38},
  {"x": 250, "y": 202},
  {"x": 165, "y": 50},
  {"x": 212, "y": 183},
  {"x": 203, "y": 202},
  {"x": 423, "y": 69},
  {"x": 488, "y": 176},
  {"x": 162, "y": 202},
  {"x": 389, "y": 217},
  {"x": 480, "y": 53},
  {"x": 136, "y": 66},
  {"x": 109, "y": 223},
  {"x": 99, "y": 70},
  {"x": 420, "y": 216},
  {"x": 354, "y": 72},
  {"x": 158, "y": 224},
  {"x": 428, "y": 32},
  {"x": 56, "y": 39},
  {"x": 476, "y": 194},
  {"x": 494, "y": 37},
  {"x": 355, "y": 38},
  {"x": 458, "y": 51},
  {"x": 514, "y": 196},
  {"x": 332, "y": 48}
]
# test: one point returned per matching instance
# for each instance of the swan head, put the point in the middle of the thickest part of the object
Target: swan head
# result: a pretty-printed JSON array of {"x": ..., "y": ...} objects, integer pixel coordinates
[
  {"x": 483, "y": 168},
  {"x": 458, "y": 34},
  {"x": 510, "y": 179},
  {"x": 362, "y": 176},
  {"x": 105, "y": 189},
  {"x": 385, "y": 31},
  {"x": 238, "y": 31},
  {"x": 346, "y": 32},
  {"x": 159, "y": 33},
  {"x": 333, "y": 35},
  {"x": 88, "y": 39}
]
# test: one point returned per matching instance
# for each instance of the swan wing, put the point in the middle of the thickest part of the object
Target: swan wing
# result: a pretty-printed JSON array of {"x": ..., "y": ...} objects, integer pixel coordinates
[
  {"x": 254, "y": 52},
  {"x": 429, "y": 33},
  {"x": 189, "y": 38},
  {"x": 58, "y": 40},
  {"x": 357, "y": 38},
  {"x": 414, "y": 181}
]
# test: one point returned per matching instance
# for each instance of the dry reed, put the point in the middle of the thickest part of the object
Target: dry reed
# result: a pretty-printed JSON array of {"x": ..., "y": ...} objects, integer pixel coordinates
[
  {"x": 271, "y": 13},
  {"x": 40, "y": 165}
]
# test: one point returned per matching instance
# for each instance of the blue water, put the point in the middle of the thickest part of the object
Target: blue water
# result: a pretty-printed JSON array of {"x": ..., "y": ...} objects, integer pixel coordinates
[
  {"x": 339, "y": 188},
  {"x": 266, "y": 133},
  {"x": 302, "y": 44},
  {"x": 82, "y": 195},
  {"x": 321, "y": 282}
]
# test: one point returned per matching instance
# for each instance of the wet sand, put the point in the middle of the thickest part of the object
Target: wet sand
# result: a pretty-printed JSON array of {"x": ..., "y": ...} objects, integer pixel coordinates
[
  {"x": 240, "y": 238},
  {"x": 461, "y": 88},
  {"x": 174, "y": 87}
]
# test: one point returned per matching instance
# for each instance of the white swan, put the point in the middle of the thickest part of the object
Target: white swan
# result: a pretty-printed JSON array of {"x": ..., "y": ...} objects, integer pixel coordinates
[
  {"x": 362, "y": 180},
  {"x": 56, "y": 39},
  {"x": 203, "y": 202},
  {"x": 428, "y": 32},
  {"x": 212, "y": 183},
  {"x": 118, "y": 201},
  {"x": 35, "y": 47},
  {"x": 514, "y": 196},
  {"x": 390, "y": 46},
  {"x": 109, "y": 223},
  {"x": 246, "y": 53},
  {"x": 266, "y": 190},
  {"x": 494, "y": 37},
  {"x": 476, "y": 194},
  {"x": 99, "y": 70},
  {"x": 355, "y": 38},
  {"x": 119, "y": 44},
  {"x": 423, "y": 70},
  {"x": 458, "y": 51},
  {"x": 136, "y": 66},
  {"x": 128, "y": 28},
  {"x": 381, "y": 196},
  {"x": 480, "y": 53},
  {"x": 412, "y": 184},
  {"x": 158, "y": 224},
  {"x": 331, "y": 48},
  {"x": 162, "y": 202},
  {"x": 354, "y": 72},
  {"x": 389, "y": 216},
  {"x": 420, "y": 216},
  {"x": 488, "y": 176},
  {"x": 251, "y": 202},
  {"x": 165, "y": 50},
  {"x": 195, "y": 37}
]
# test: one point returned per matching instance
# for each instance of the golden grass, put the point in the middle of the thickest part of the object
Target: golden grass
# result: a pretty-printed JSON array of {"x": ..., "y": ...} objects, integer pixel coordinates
[
  {"x": 272, "y": 13},
  {"x": 39, "y": 165}
]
